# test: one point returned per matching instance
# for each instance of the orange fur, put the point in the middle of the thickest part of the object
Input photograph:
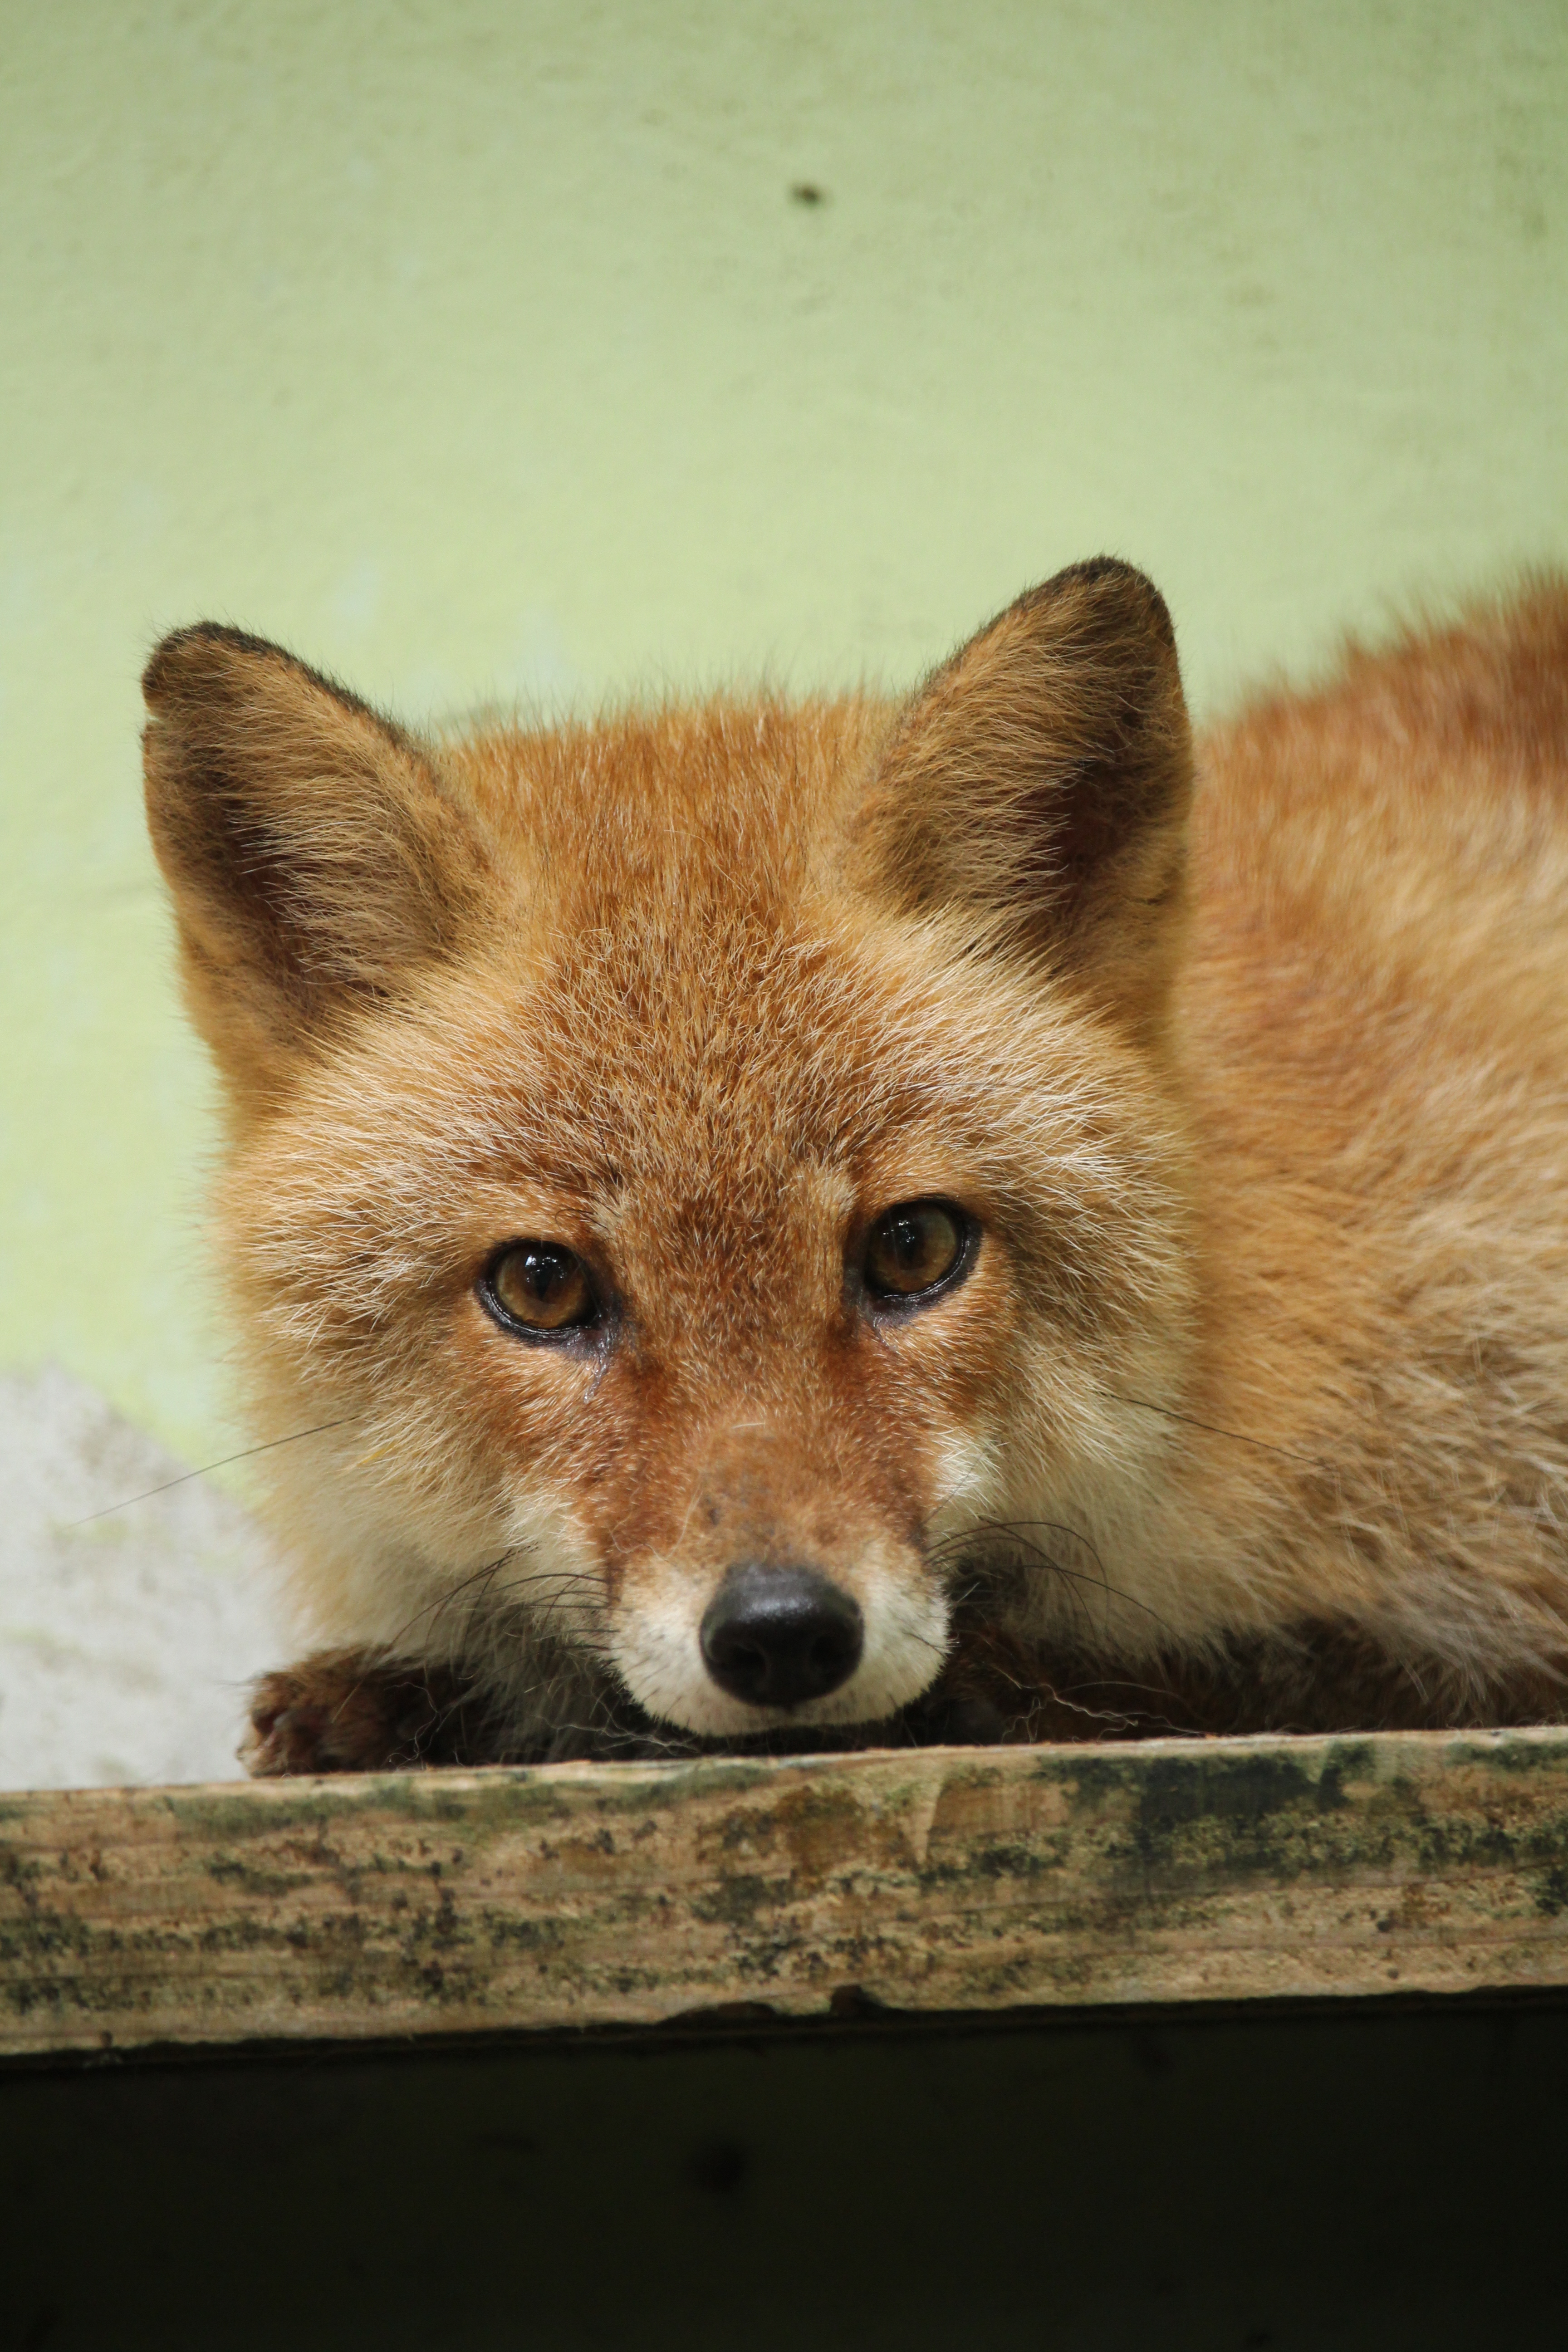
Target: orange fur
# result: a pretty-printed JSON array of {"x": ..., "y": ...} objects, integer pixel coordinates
[{"x": 1254, "y": 1403}]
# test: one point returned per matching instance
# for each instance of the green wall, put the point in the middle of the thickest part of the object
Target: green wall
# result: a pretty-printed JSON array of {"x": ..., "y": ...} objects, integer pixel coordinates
[{"x": 483, "y": 351}]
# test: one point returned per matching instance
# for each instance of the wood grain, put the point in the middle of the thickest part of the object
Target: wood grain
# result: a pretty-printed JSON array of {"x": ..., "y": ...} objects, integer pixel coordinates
[{"x": 931, "y": 1879}]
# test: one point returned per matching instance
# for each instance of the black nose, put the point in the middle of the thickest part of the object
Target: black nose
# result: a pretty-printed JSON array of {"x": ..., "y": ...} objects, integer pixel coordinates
[{"x": 774, "y": 1636}]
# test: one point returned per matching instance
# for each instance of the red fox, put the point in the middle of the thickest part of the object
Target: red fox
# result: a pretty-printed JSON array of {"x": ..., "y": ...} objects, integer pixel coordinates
[{"x": 844, "y": 1222}]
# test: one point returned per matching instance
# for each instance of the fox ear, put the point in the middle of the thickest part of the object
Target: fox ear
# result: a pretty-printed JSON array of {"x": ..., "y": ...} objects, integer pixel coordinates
[
  {"x": 313, "y": 855},
  {"x": 1040, "y": 784}
]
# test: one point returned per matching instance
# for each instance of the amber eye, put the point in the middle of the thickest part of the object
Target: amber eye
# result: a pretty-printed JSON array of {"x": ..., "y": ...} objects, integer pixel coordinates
[
  {"x": 916, "y": 1247},
  {"x": 539, "y": 1287}
]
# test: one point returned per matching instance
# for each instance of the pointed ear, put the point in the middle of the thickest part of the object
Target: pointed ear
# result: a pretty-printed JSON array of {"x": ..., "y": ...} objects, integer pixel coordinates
[
  {"x": 314, "y": 857},
  {"x": 1038, "y": 786}
]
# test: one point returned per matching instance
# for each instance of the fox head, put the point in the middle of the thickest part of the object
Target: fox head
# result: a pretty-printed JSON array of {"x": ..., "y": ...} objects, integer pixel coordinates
[{"x": 695, "y": 1179}]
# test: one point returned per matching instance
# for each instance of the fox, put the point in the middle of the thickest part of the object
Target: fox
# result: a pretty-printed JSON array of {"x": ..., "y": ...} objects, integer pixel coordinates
[{"x": 754, "y": 1222}]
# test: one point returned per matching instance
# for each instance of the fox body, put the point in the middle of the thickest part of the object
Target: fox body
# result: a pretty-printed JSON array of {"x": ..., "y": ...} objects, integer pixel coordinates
[{"x": 850, "y": 1220}]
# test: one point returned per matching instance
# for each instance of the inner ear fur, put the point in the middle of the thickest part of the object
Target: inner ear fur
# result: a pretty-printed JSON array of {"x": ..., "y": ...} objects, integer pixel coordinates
[
  {"x": 1039, "y": 785},
  {"x": 314, "y": 858}
]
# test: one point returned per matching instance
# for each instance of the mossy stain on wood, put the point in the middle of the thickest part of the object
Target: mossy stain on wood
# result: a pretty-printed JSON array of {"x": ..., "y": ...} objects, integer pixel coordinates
[
  {"x": 1550, "y": 1891},
  {"x": 244, "y": 1877}
]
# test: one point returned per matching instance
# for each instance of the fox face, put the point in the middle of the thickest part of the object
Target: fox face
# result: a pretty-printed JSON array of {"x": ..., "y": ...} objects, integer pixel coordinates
[{"x": 700, "y": 1186}]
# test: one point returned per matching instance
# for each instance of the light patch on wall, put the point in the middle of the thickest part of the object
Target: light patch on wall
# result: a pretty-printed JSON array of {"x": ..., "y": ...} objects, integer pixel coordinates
[
  {"x": 354, "y": 602},
  {"x": 542, "y": 669}
]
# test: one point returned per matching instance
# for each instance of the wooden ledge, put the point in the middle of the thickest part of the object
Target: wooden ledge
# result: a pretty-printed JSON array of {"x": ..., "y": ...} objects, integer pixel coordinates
[{"x": 933, "y": 1879}]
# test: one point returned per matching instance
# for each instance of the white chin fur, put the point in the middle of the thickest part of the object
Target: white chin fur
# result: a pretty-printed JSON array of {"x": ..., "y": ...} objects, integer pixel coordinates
[{"x": 655, "y": 1648}]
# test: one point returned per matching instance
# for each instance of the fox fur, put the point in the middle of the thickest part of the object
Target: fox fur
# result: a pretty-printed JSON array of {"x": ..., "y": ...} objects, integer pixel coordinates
[{"x": 1249, "y": 1070}]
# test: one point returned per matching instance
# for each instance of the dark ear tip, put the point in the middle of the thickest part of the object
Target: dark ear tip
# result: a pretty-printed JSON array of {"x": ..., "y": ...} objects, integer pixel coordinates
[
  {"x": 183, "y": 661},
  {"x": 1115, "y": 590}
]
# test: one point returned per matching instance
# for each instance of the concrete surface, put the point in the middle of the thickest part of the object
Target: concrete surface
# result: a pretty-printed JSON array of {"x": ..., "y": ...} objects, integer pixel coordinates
[{"x": 132, "y": 1609}]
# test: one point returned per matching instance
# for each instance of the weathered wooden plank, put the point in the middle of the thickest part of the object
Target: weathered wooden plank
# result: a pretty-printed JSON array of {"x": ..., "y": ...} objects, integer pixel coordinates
[{"x": 928, "y": 1879}]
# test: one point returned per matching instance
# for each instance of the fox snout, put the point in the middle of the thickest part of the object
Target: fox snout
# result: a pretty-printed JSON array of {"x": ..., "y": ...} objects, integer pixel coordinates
[
  {"x": 777, "y": 1586},
  {"x": 765, "y": 1644}
]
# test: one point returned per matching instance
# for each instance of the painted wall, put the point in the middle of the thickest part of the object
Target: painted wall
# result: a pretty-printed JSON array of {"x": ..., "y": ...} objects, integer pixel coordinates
[{"x": 490, "y": 350}]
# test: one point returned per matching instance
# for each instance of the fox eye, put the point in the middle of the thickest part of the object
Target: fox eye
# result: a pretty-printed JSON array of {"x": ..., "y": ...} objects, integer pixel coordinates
[
  {"x": 539, "y": 1287},
  {"x": 917, "y": 1248}
]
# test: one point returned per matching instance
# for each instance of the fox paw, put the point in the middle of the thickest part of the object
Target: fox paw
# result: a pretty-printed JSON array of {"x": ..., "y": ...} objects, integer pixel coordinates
[{"x": 350, "y": 1711}]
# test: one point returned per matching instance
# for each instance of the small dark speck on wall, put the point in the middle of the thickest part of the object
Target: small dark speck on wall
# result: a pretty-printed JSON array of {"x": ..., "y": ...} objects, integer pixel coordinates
[{"x": 806, "y": 192}]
